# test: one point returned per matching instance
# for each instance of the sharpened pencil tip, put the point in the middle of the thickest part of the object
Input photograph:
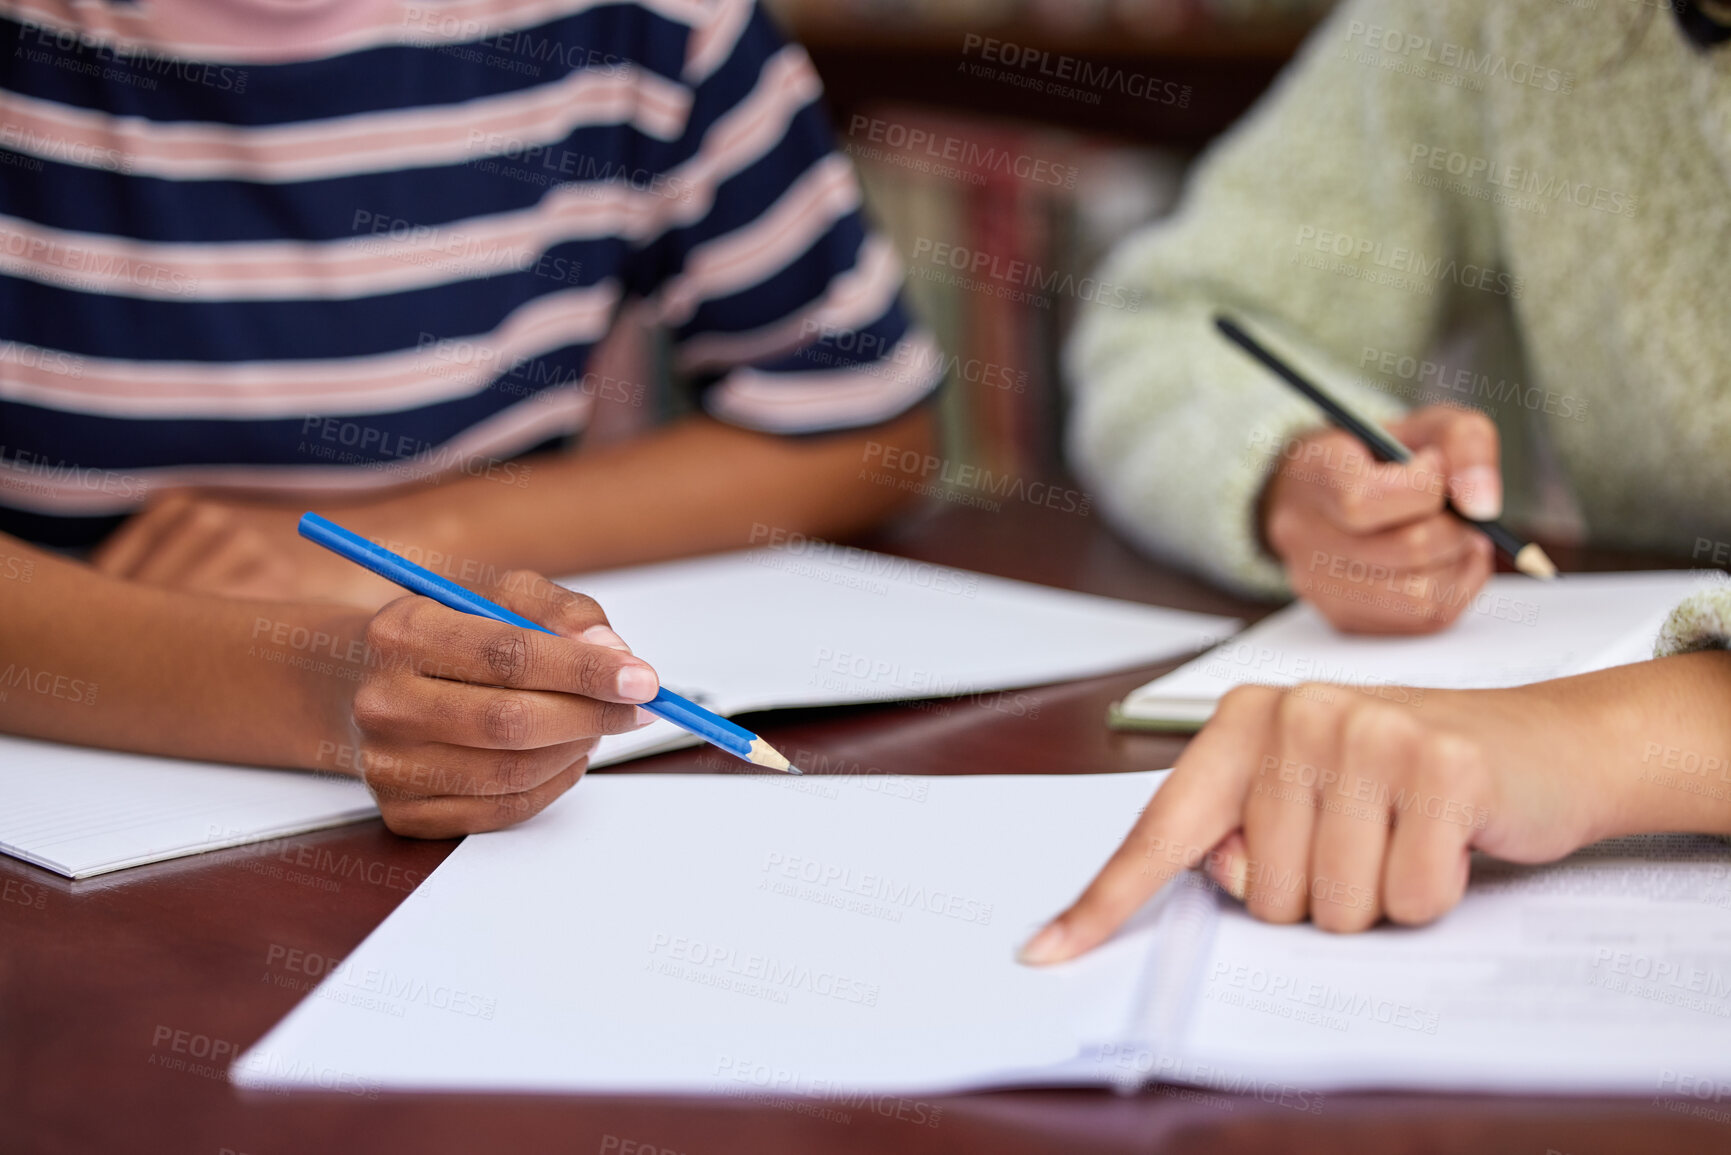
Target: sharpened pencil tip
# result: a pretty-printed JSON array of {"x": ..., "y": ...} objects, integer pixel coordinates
[
  {"x": 763, "y": 754},
  {"x": 1534, "y": 562}
]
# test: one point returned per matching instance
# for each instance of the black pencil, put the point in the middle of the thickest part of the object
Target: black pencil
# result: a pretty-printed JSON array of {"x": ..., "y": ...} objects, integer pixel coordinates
[{"x": 1527, "y": 557}]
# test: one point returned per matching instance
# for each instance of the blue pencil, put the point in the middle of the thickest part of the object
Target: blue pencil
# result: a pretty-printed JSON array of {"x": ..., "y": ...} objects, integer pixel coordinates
[{"x": 682, "y": 712}]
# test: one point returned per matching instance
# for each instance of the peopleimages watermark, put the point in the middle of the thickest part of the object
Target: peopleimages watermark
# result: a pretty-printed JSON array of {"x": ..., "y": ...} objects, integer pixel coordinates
[
  {"x": 512, "y": 49},
  {"x": 932, "y": 476},
  {"x": 61, "y": 150},
  {"x": 46, "y": 684},
  {"x": 1396, "y": 266},
  {"x": 1131, "y": 1064},
  {"x": 1689, "y": 771},
  {"x": 780, "y": 1087},
  {"x": 547, "y": 164},
  {"x": 882, "y": 895},
  {"x": 1063, "y": 76},
  {"x": 1445, "y": 61},
  {"x": 1379, "y": 797},
  {"x": 429, "y": 244},
  {"x": 1519, "y": 181},
  {"x": 877, "y": 354},
  {"x": 81, "y": 267},
  {"x": 375, "y": 447},
  {"x": 1309, "y": 1000},
  {"x": 132, "y": 64},
  {"x": 371, "y": 988},
  {"x": 855, "y": 568},
  {"x": 944, "y": 154},
  {"x": 1013, "y": 279},
  {"x": 753, "y": 975},
  {"x": 1423, "y": 375},
  {"x": 1666, "y": 980},
  {"x": 191, "y": 1052}
]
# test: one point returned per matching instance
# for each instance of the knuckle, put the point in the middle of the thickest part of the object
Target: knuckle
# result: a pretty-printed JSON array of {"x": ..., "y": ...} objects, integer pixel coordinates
[
  {"x": 1477, "y": 425},
  {"x": 505, "y": 656},
  {"x": 1415, "y": 903},
  {"x": 514, "y": 771},
  {"x": 373, "y": 707},
  {"x": 592, "y": 669},
  {"x": 617, "y": 719},
  {"x": 1248, "y": 697},
  {"x": 1308, "y": 719},
  {"x": 209, "y": 517},
  {"x": 1353, "y": 505},
  {"x": 1415, "y": 545},
  {"x": 505, "y": 721},
  {"x": 579, "y": 608},
  {"x": 1286, "y": 528},
  {"x": 391, "y": 628},
  {"x": 1378, "y": 728}
]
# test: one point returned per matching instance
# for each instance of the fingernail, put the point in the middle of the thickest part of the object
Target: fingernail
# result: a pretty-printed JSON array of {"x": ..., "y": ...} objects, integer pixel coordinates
[
  {"x": 1237, "y": 877},
  {"x": 644, "y": 717},
  {"x": 602, "y": 636},
  {"x": 1043, "y": 948},
  {"x": 1478, "y": 492},
  {"x": 637, "y": 683}
]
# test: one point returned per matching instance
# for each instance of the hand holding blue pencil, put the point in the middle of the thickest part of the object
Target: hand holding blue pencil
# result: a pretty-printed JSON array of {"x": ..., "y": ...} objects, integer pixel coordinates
[{"x": 682, "y": 712}]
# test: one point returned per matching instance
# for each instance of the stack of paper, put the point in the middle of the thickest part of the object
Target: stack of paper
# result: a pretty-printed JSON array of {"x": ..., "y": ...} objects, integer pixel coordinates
[
  {"x": 755, "y": 936},
  {"x": 1515, "y": 631}
]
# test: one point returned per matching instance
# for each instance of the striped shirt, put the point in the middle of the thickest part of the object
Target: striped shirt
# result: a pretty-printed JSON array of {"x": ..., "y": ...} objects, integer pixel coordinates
[{"x": 332, "y": 246}]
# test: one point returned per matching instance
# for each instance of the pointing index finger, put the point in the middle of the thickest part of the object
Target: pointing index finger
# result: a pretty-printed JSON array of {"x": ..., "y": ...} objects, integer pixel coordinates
[{"x": 1200, "y": 804}]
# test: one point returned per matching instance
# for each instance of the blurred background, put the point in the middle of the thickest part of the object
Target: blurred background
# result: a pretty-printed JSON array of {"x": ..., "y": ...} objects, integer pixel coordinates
[{"x": 1005, "y": 145}]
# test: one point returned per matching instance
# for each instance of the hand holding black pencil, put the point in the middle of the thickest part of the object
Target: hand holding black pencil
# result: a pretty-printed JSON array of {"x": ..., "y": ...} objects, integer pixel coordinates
[{"x": 1527, "y": 557}]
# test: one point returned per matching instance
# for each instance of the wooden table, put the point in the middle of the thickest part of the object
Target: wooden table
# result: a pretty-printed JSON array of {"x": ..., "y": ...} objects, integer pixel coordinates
[{"x": 122, "y": 998}]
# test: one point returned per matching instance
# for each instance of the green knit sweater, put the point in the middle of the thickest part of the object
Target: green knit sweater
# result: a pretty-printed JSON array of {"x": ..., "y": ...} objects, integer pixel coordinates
[{"x": 1557, "y": 170}]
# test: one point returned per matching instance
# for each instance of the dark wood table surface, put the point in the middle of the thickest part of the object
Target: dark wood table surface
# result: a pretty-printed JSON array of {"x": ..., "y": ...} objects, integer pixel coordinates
[{"x": 104, "y": 983}]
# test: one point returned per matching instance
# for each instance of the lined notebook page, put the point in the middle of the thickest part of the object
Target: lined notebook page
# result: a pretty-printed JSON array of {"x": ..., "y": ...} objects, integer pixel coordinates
[{"x": 81, "y": 812}]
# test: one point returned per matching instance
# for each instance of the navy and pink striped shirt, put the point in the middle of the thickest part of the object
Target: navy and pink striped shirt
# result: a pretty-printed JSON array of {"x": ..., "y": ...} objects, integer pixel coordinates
[{"x": 332, "y": 245}]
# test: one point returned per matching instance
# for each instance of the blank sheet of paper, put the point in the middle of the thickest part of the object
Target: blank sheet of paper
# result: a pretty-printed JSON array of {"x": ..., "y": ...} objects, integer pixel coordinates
[
  {"x": 734, "y": 934},
  {"x": 81, "y": 812},
  {"x": 1610, "y": 971},
  {"x": 773, "y": 629},
  {"x": 1516, "y": 631}
]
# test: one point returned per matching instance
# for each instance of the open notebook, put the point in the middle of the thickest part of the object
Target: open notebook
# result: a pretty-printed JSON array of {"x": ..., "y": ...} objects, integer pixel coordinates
[
  {"x": 741, "y": 631},
  {"x": 1516, "y": 631},
  {"x": 752, "y": 936}
]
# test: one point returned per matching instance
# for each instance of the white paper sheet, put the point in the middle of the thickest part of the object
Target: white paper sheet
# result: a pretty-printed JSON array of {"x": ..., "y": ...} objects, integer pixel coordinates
[
  {"x": 777, "y": 628},
  {"x": 1516, "y": 631},
  {"x": 758, "y": 936},
  {"x": 734, "y": 935},
  {"x": 81, "y": 812},
  {"x": 1608, "y": 972}
]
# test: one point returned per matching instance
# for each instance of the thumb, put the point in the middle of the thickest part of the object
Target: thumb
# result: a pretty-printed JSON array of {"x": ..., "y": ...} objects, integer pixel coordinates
[{"x": 1471, "y": 451}]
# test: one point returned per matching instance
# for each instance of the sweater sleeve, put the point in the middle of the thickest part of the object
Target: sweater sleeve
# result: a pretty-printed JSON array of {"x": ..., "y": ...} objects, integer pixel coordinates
[
  {"x": 1318, "y": 220},
  {"x": 1701, "y": 622}
]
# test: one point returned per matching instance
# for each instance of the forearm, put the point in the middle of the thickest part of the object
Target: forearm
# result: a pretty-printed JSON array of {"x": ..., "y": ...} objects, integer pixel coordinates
[
  {"x": 1661, "y": 748},
  {"x": 694, "y": 487},
  {"x": 89, "y": 659}
]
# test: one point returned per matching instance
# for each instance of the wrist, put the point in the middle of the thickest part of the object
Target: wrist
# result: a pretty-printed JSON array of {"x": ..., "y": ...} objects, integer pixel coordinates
[
  {"x": 1655, "y": 738},
  {"x": 331, "y": 659}
]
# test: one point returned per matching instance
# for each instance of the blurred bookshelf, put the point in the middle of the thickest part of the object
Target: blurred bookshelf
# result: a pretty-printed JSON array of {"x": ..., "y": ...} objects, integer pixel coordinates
[{"x": 1029, "y": 135}]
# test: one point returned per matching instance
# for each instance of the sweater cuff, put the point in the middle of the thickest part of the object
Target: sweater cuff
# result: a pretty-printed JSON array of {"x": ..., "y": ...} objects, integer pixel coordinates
[{"x": 1701, "y": 622}]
